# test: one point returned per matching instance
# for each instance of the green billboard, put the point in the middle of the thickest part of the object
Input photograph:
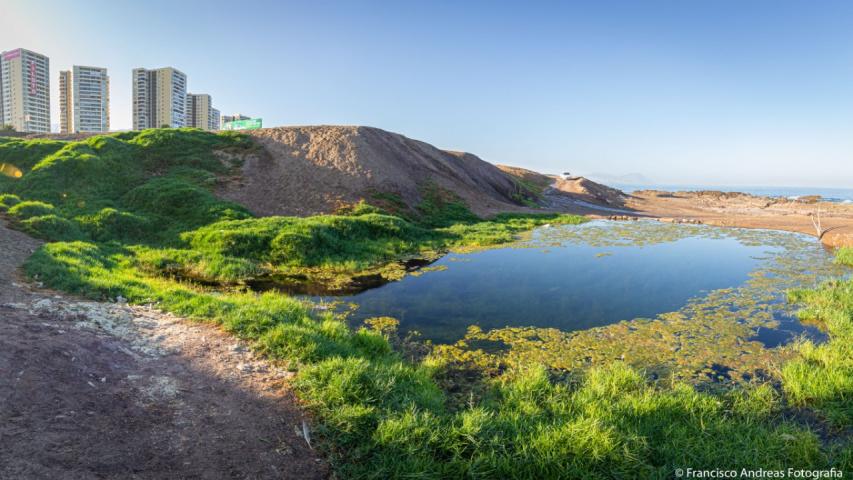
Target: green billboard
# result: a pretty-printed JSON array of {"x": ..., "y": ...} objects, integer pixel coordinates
[{"x": 249, "y": 124}]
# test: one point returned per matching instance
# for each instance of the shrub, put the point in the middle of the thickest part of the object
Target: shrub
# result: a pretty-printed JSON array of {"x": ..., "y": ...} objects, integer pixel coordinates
[
  {"x": 360, "y": 208},
  {"x": 441, "y": 208},
  {"x": 7, "y": 200},
  {"x": 162, "y": 149},
  {"x": 30, "y": 208},
  {"x": 111, "y": 224},
  {"x": 177, "y": 205},
  {"x": 198, "y": 266},
  {"x": 26, "y": 153},
  {"x": 250, "y": 238},
  {"x": 52, "y": 228}
]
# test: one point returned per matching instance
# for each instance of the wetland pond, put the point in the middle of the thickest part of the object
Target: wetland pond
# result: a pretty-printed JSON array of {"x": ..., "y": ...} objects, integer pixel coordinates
[{"x": 690, "y": 295}]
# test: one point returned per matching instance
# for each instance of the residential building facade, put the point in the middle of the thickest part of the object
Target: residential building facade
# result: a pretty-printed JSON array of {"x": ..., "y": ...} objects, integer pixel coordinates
[
  {"x": 159, "y": 98},
  {"x": 2, "y": 123},
  {"x": 84, "y": 100},
  {"x": 200, "y": 112},
  {"x": 25, "y": 91},
  {"x": 214, "y": 119},
  {"x": 66, "y": 107}
]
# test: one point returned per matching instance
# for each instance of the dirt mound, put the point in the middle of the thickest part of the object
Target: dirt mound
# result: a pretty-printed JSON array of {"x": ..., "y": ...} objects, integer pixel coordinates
[
  {"x": 534, "y": 179},
  {"x": 317, "y": 169},
  {"x": 591, "y": 192},
  {"x": 577, "y": 188}
]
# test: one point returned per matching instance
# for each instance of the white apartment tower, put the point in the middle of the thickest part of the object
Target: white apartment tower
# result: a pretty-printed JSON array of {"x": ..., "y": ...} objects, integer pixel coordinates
[
  {"x": 159, "y": 98},
  {"x": 25, "y": 91},
  {"x": 200, "y": 112},
  {"x": 84, "y": 100}
]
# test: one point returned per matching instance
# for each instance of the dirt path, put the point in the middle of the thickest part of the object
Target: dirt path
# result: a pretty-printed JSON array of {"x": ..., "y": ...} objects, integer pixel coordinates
[{"x": 95, "y": 390}]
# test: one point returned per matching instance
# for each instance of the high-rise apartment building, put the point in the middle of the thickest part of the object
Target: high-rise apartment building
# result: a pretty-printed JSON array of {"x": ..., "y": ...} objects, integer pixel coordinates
[
  {"x": 84, "y": 100},
  {"x": 213, "y": 120},
  {"x": 66, "y": 105},
  {"x": 159, "y": 98},
  {"x": 200, "y": 112},
  {"x": 2, "y": 123},
  {"x": 25, "y": 91}
]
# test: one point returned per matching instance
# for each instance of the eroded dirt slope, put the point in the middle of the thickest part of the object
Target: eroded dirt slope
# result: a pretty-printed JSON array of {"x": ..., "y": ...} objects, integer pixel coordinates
[{"x": 316, "y": 169}]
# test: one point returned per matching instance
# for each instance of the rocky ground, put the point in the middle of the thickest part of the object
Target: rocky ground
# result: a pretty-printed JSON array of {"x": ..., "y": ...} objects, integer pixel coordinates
[
  {"x": 107, "y": 390},
  {"x": 748, "y": 211}
]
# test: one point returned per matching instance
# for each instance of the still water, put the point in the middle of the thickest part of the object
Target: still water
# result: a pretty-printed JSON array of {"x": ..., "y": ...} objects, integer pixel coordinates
[{"x": 579, "y": 277}]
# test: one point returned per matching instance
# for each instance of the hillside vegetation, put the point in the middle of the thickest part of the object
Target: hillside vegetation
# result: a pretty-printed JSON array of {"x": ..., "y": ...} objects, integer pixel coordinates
[{"x": 134, "y": 215}]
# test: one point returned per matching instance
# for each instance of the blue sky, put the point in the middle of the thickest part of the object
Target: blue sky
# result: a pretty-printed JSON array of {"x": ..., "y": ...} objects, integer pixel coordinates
[{"x": 714, "y": 92}]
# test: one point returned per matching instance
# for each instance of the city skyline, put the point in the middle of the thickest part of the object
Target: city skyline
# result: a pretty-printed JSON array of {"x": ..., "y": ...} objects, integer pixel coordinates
[
  {"x": 159, "y": 97},
  {"x": 722, "y": 93}
]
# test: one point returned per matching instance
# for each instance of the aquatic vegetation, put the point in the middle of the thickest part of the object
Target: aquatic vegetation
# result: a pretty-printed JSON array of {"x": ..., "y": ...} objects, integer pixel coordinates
[{"x": 712, "y": 339}]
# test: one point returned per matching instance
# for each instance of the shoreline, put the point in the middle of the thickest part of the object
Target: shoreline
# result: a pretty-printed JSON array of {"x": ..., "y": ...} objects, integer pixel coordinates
[{"x": 726, "y": 209}]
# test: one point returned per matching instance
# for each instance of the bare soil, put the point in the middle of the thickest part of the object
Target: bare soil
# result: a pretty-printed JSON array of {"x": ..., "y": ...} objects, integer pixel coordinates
[
  {"x": 729, "y": 209},
  {"x": 105, "y": 390},
  {"x": 317, "y": 169}
]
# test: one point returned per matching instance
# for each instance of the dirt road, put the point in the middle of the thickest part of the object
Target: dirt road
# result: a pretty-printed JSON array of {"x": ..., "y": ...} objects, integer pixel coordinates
[{"x": 96, "y": 390}]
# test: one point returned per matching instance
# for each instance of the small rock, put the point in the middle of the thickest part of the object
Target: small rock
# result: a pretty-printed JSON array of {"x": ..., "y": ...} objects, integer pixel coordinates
[{"x": 43, "y": 305}]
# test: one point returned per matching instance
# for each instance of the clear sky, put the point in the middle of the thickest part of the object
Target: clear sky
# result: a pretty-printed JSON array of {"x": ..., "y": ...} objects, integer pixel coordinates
[{"x": 736, "y": 92}]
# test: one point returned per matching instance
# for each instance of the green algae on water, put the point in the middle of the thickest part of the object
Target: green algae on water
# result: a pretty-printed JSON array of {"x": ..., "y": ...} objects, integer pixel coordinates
[{"x": 711, "y": 339}]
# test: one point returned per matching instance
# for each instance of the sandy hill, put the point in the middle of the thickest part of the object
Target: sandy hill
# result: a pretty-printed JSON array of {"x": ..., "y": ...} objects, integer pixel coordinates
[{"x": 316, "y": 169}]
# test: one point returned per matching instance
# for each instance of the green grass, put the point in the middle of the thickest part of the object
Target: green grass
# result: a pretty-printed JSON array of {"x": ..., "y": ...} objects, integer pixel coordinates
[
  {"x": 351, "y": 243},
  {"x": 845, "y": 256},
  {"x": 384, "y": 416},
  {"x": 132, "y": 215},
  {"x": 822, "y": 375}
]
